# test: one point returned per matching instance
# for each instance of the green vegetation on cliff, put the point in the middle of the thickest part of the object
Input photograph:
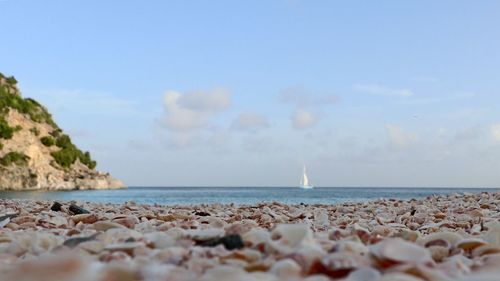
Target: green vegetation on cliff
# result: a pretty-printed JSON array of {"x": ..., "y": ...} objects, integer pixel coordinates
[
  {"x": 48, "y": 141},
  {"x": 69, "y": 153},
  {"x": 16, "y": 158},
  {"x": 27, "y": 106},
  {"x": 11, "y": 99}
]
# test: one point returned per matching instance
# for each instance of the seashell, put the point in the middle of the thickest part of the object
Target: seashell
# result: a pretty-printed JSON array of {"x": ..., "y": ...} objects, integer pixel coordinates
[
  {"x": 382, "y": 230},
  {"x": 339, "y": 265},
  {"x": 159, "y": 240},
  {"x": 105, "y": 225},
  {"x": 321, "y": 217},
  {"x": 476, "y": 229},
  {"x": 469, "y": 244},
  {"x": 399, "y": 277},
  {"x": 118, "y": 256},
  {"x": 124, "y": 247},
  {"x": 439, "y": 253},
  {"x": 44, "y": 242},
  {"x": 84, "y": 218},
  {"x": 396, "y": 250},
  {"x": 172, "y": 255},
  {"x": 444, "y": 239},
  {"x": 286, "y": 268},
  {"x": 477, "y": 213},
  {"x": 440, "y": 215},
  {"x": 493, "y": 235},
  {"x": 23, "y": 219},
  {"x": 176, "y": 233},
  {"x": 296, "y": 241},
  {"x": 122, "y": 234},
  {"x": 248, "y": 255},
  {"x": 57, "y": 221},
  {"x": 351, "y": 246},
  {"x": 364, "y": 274},
  {"x": 257, "y": 236},
  {"x": 128, "y": 222},
  {"x": 286, "y": 238},
  {"x": 337, "y": 233},
  {"x": 361, "y": 232},
  {"x": 172, "y": 217},
  {"x": 420, "y": 218},
  {"x": 484, "y": 250},
  {"x": 93, "y": 247},
  {"x": 408, "y": 235},
  {"x": 214, "y": 222}
]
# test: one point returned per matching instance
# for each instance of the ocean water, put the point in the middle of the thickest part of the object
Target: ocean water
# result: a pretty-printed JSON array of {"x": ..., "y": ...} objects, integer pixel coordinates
[{"x": 236, "y": 195}]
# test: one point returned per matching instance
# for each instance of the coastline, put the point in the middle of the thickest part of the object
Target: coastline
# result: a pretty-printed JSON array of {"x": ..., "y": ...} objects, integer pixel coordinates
[{"x": 443, "y": 237}]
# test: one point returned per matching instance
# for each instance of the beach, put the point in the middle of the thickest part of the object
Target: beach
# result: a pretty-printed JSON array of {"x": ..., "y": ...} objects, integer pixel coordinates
[{"x": 441, "y": 237}]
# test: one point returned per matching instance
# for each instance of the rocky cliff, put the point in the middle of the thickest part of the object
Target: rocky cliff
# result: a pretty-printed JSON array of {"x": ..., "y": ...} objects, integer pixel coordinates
[{"x": 35, "y": 153}]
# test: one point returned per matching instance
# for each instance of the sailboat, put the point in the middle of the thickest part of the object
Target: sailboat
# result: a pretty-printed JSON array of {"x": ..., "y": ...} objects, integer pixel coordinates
[{"x": 304, "y": 182}]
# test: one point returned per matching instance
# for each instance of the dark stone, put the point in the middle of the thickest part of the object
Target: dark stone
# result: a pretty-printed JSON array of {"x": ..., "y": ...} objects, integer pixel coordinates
[
  {"x": 130, "y": 240},
  {"x": 73, "y": 242},
  {"x": 413, "y": 212},
  {"x": 78, "y": 210},
  {"x": 202, "y": 214},
  {"x": 56, "y": 207},
  {"x": 231, "y": 242},
  {"x": 9, "y": 216}
]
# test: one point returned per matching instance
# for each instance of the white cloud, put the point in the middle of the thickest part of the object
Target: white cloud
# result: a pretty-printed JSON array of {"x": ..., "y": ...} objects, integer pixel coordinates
[
  {"x": 302, "y": 119},
  {"x": 439, "y": 99},
  {"x": 495, "y": 132},
  {"x": 379, "y": 90},
  {"x": 216, "y": 100},
  {"x": 191, "y": 111},
  {"x": 399, "y": 137},
  {"x": 250, "y": 121}
]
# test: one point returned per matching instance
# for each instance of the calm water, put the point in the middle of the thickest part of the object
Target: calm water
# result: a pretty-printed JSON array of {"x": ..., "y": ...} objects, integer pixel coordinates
[{"x": 237, "y": 195}]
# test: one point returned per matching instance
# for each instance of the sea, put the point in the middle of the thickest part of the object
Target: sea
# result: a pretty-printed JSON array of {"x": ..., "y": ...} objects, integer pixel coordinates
[{"x": 236, "y": 195}]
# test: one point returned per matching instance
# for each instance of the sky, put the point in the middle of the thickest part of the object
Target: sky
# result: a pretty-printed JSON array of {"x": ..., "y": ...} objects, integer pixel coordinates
[{"x": 244, "y": 93}]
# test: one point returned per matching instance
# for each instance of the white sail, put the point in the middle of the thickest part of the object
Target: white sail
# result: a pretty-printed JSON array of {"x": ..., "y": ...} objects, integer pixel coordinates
[{"x": 304, "y": 182}]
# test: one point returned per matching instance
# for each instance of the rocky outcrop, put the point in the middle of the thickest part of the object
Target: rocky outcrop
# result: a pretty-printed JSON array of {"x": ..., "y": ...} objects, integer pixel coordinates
[{"x": 35, "y": 154}]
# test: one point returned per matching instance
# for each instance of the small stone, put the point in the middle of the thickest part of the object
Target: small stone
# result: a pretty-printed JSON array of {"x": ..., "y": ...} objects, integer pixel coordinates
[
  {"x": 230, "y": 242},
  {"x": 202, "y": 214},
  {"x": 78, "y": 210},
  {"x": 6, "y": 218},
  {"x": 56, "y": 207},
  {"x": 73, "y": 242}
]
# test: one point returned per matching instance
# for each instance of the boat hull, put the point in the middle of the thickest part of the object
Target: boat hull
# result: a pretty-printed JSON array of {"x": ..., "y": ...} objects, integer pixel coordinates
[{"x": 306, "y": 186}]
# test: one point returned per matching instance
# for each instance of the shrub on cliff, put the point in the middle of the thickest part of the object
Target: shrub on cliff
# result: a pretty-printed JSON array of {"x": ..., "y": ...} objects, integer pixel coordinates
[
  {"x": 6, "y": 132},
  {"x": 69, "y": 153},
  {"x": 64, "y": 141},
  {"x": 48, "y": 141},
  {"x": 11, "y": 80},
  {"x": 28, "y": 106},
  {"x": 14, "y": 158}
]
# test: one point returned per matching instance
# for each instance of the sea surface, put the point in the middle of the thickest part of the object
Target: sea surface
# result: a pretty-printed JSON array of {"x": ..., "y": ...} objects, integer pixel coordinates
[{"x": 236, "y": 195}]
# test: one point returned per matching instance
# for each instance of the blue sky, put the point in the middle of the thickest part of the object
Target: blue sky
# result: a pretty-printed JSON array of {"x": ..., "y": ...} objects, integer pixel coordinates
[{"x": 366, "y": 93}]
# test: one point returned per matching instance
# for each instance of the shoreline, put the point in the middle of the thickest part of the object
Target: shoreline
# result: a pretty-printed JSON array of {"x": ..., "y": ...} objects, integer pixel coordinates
[{"x": 442, "y": 237}]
